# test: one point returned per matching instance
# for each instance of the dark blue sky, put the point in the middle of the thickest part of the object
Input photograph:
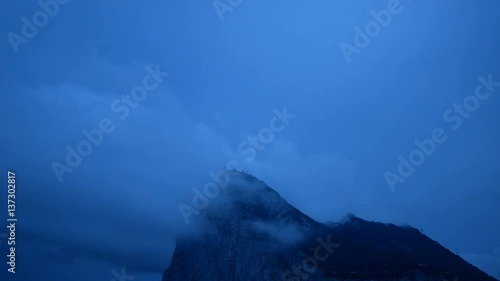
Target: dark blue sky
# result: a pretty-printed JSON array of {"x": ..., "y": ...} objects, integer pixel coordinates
[{"x": 119, "y": 206}]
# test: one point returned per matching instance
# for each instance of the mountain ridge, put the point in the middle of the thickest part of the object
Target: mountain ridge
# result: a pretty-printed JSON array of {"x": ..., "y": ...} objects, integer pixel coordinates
[{"x": 255, "y": 234}]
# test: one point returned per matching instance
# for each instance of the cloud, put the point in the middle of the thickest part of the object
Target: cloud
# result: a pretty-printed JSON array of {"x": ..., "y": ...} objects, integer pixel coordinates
[
  {"x": 320, "y": 184},
  {"x": 281, "y": 231},
  {"x": 119, "y": 205}
]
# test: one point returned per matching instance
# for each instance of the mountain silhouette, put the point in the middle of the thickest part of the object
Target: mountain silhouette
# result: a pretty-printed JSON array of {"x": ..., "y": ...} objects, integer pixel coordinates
[{"x": 249, "y": 232}]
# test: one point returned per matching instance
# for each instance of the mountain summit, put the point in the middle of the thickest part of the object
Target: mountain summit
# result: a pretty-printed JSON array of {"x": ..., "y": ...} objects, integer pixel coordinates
[{"x": 250, "y": 233}]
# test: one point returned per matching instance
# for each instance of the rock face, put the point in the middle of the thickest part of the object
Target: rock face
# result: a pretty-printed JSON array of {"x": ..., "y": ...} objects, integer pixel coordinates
[{"x": 250, "y": 233}]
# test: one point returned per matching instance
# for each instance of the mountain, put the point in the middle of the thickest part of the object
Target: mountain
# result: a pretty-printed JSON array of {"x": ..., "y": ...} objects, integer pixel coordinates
[{"x": 249, "y": 232}]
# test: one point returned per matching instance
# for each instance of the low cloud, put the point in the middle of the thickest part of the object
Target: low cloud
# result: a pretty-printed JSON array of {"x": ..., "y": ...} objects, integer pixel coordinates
[{"x": 283, "y": 232}]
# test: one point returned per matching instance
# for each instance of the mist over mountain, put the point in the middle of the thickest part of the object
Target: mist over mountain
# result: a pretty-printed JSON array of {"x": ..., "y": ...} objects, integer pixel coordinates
[{"x": 249, "y": 232}]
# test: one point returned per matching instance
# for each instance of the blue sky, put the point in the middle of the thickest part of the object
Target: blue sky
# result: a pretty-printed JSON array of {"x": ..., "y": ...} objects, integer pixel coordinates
[{"x": 353, "y": 120}]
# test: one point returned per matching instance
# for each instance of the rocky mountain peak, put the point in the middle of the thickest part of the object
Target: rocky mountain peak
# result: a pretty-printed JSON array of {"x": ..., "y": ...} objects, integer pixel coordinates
[{"x": 249, "y": 232}]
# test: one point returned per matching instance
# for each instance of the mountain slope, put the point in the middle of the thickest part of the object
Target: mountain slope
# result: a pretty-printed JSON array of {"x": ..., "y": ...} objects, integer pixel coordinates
[{"x": 249, "y": 232}]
